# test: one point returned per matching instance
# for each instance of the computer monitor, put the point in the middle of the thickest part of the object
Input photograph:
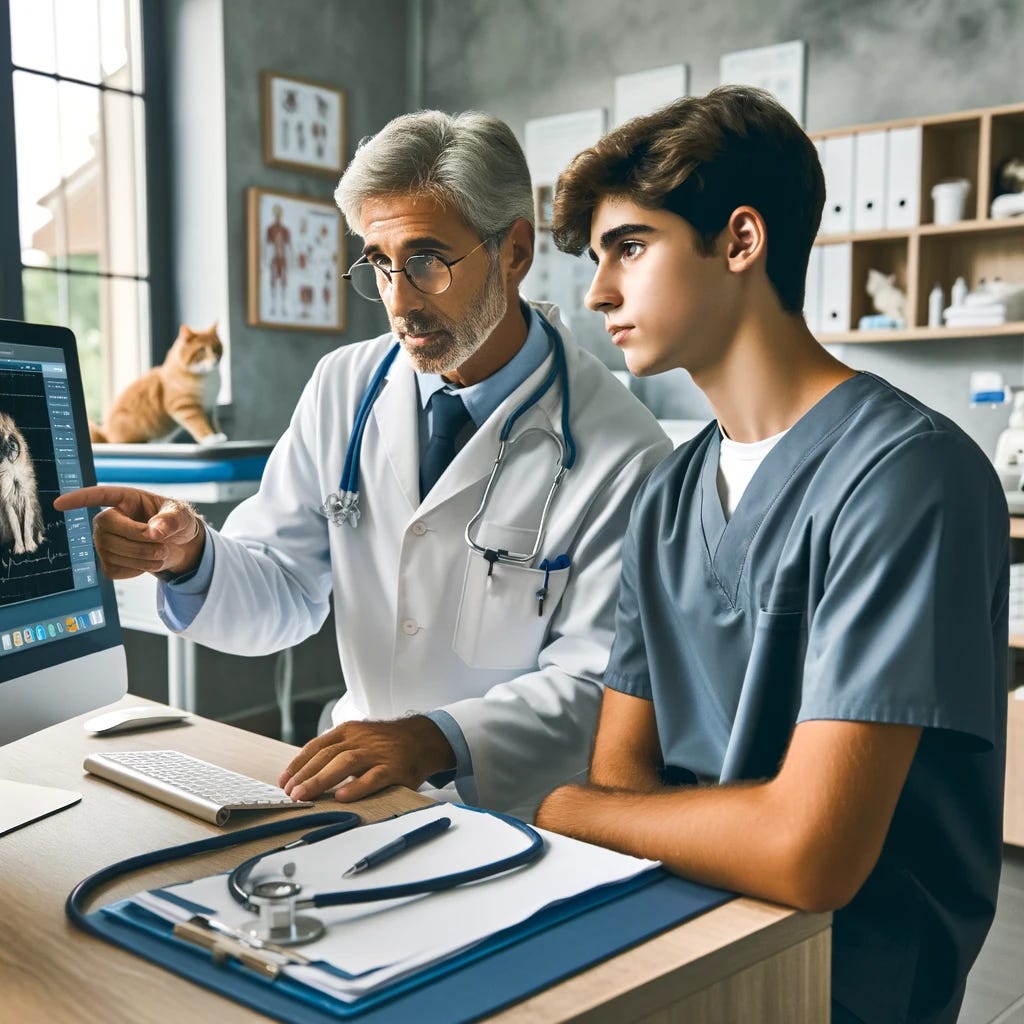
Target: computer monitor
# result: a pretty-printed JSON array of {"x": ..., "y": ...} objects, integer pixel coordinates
[{"x": 60, "y": 640}]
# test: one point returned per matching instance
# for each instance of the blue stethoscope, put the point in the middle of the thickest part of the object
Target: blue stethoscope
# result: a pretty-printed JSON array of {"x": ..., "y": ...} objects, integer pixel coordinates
[
  {"x": 343, "y": 505},
  {"x": 275, "y": 901}
]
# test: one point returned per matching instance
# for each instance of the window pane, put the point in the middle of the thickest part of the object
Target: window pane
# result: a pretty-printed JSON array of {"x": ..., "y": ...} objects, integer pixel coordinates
[
  {"x": 32, "y": 36},
  {"x": 121, "y": 44},
  {"x": 78, "y": 39},
  {"x": 84, "y": 205},
  {"x": 124, "y": 307},
  {"x": 70, "y": 300},
  {"x": 37, "y": 142},
  {"x": 122, "y": 187}
]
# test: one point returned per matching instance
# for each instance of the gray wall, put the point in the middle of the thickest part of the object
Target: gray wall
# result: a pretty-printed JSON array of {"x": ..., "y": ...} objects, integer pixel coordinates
[
  {"x": 868, "y": 60},
  {"x": 357, "y": 45}
]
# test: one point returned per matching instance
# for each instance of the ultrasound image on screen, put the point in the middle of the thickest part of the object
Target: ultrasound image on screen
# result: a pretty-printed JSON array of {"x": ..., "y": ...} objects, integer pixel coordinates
[{"x": 34, "y": 555}]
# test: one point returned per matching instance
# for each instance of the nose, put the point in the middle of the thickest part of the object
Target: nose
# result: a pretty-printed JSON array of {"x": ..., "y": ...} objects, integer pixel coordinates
[
  {"x": 603, "y": 294},
  {"x": 400, "y": 297}
]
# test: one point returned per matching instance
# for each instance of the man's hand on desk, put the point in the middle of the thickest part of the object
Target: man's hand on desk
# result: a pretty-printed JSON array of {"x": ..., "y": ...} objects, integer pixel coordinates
[
  {"x": 140, "y": 532},
  {"x": 373, "y": 754}
]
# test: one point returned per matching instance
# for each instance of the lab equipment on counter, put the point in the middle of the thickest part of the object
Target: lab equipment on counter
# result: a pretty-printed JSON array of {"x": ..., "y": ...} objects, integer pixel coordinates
[{"x": 989, "y": 388}]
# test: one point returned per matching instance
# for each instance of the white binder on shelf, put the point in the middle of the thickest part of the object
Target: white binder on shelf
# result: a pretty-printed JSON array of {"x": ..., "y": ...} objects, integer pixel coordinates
[
  {"x": 870, "y": 173},
  {"x": 836, "y": 267},
  {"x": 812, "y": 291},
  {"x": 903, "y": 174},
  {"x": 838, "y": 166}
]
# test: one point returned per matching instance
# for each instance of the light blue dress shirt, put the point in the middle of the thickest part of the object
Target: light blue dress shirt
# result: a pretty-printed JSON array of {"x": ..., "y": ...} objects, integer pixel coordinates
[{"x": 180, "y": 601}]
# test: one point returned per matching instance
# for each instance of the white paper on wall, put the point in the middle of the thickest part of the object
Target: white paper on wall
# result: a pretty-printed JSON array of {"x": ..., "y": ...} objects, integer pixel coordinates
[
  {"x": 779, "y": 69},
  {"x": 643, "y": 92},
  {"x": 551, "y": 142}
]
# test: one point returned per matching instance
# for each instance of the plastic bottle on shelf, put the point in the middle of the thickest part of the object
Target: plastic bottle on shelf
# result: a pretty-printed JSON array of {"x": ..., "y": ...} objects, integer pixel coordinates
[
  {"x": 959, "y": 292},
  {"x": 936, "y": 302}
]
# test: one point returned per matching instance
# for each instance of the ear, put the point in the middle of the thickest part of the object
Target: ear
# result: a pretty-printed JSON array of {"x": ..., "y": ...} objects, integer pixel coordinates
[
  {"x": 185, "y": 332},
  {"x": 746, "y": 239},
  {"x": 213, "y": 328},
  {"x": 517, "y": 249}
]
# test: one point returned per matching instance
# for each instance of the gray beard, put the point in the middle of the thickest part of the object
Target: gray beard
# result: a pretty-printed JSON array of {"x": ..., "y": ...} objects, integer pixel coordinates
[{"x": 456, "y": 340}]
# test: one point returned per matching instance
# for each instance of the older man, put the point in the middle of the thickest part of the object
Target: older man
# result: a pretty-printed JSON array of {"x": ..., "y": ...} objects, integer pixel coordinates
[{"x": 474, "y": 621}]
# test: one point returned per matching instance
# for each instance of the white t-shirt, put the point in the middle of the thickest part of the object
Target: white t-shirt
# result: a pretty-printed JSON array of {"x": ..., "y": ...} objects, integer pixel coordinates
[{"x": 737, "y": 464}]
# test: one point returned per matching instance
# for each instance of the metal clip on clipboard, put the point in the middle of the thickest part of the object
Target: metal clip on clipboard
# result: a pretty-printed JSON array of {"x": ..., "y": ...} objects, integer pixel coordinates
[{"x": 224, "y": 944}]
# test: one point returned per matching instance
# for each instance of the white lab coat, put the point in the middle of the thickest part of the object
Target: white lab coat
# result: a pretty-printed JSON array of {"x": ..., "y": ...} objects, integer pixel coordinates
[{"x": 420, "y": 625}]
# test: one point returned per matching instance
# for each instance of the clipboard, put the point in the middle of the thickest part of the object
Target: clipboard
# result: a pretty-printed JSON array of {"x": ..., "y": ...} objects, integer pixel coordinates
[{"x": 508, "y": 967}]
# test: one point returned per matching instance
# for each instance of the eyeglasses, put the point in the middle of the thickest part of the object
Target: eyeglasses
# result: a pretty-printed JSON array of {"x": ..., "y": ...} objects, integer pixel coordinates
[{"x": 427, "y": 273}]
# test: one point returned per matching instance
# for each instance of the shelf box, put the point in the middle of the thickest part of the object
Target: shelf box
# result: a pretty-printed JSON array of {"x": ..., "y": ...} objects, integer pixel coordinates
[{"x": 951, "y": 150}]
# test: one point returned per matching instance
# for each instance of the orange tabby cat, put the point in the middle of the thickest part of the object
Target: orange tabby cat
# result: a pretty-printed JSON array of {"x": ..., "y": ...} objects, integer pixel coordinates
[{"x": 176, "y": 394}]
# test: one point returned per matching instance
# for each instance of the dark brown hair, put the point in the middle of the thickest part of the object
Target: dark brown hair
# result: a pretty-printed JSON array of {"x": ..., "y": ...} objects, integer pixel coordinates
[{"x": 701, "y": 158}]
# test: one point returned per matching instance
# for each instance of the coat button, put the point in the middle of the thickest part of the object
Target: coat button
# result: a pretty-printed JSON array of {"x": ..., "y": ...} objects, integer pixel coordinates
[
  {"x": 419, "y": 529},
  {"x": 410, "y": 628}
]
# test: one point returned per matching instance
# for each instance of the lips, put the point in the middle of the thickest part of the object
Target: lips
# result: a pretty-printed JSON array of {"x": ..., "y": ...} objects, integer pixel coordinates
[
  {"x": 619, "y": 332},
  {"x": 420, "y": 339}
]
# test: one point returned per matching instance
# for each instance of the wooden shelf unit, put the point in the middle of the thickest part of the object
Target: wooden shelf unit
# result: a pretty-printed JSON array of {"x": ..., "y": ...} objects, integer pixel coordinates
[{"x": 967, "y": 144}]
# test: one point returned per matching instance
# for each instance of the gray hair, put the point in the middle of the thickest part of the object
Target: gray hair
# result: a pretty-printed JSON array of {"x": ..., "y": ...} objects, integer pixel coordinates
[{"x": 471, "y": 162}]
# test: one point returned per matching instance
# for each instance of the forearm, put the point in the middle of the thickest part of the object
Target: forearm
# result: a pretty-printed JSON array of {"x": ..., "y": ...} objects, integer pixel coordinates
[{"x": 733, "y": 837}]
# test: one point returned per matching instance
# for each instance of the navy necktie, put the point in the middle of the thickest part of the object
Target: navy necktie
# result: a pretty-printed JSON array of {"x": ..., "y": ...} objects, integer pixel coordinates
[{"x": 448, "y": 416}]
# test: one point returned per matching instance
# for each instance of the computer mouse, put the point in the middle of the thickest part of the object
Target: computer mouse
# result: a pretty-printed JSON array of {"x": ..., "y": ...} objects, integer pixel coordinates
[{"x": 132, "y": 718}]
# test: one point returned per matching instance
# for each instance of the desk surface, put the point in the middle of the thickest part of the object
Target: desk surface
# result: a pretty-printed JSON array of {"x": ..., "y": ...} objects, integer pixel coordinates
[{"x": 744, "y": 960}]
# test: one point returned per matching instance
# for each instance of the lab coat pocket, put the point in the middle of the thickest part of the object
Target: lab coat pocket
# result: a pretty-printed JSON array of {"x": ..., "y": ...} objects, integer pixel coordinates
[
  {"x": 770, "y": 697},
  {"x": 502, "y": 623}
]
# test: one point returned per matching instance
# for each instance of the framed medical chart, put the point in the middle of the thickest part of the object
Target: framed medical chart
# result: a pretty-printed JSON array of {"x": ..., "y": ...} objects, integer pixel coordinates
[
  {"x": 303, "y": 124},
  {"x": 294, "y": 247},
  {"x": 780, "y": 69}
]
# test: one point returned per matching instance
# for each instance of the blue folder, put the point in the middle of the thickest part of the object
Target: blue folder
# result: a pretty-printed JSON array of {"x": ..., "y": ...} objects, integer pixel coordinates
[{"x": 511, "y": 965}]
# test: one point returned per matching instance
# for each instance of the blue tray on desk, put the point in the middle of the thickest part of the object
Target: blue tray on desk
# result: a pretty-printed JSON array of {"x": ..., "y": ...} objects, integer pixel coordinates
[
  {"x": 139, "y": 470},
  {"x": 505, "y": 969}
]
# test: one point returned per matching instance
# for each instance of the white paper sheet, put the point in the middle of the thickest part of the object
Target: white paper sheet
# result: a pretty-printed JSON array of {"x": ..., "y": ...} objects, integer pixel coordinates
[{"x": 377, "y": 943}]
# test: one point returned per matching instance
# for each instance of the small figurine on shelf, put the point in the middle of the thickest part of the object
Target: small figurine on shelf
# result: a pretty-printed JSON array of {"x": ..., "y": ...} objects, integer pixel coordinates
[
  {"x": 888, "y": 299},
  {"x": 1009, "y": 200}
]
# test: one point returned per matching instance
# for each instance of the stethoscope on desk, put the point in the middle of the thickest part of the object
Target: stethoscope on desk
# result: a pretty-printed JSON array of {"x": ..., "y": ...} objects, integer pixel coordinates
[
  {"x": 342, "y": 506},
  {"x": 277, "y": 901}
]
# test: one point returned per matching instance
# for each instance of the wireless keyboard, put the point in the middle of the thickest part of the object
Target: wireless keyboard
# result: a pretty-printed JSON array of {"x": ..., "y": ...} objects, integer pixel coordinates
[{"x": 189, "y": 784}]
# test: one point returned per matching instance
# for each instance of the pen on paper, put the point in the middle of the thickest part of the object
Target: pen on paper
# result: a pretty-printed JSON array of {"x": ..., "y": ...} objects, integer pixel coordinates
[{"x": 396, "y": 846}]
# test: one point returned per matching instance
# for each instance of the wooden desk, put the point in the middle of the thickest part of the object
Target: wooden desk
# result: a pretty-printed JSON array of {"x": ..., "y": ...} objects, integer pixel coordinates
[{"x": 746, "y": 960}]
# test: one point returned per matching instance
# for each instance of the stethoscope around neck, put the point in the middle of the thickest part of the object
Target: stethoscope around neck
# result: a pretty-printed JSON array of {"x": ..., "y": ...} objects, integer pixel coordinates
[{"x": 342, "y": 506}]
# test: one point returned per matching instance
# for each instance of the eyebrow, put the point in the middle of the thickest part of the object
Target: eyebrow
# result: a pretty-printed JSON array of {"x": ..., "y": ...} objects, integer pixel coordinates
[
  {"x": 613, "y": 235},
  {"x": 425, "y": 242}
]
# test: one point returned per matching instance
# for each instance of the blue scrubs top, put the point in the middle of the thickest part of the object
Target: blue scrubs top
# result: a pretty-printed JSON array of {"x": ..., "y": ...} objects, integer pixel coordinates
[{"x": 863, "y": 576}]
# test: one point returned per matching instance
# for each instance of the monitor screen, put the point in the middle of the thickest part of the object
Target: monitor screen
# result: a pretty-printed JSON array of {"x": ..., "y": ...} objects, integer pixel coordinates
[{"x": 60, "y": 641}]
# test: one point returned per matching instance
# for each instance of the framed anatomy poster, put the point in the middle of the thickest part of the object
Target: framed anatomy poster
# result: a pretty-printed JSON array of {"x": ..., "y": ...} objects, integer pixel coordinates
[
  {"x": 303, "y": 124},
  {"x": 294, "y": 246}
]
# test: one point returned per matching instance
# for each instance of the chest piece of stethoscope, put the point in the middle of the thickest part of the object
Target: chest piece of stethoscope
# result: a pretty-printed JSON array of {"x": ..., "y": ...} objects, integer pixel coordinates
[
  {"x": 278, "y": 923},
  {"x": 341, "y": 508}
]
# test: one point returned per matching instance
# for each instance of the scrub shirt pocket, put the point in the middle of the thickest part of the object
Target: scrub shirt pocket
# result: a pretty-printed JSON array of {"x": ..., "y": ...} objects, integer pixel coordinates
[
  {"x": 770, "y": 697},
  {"x": 501, "y": 623}
]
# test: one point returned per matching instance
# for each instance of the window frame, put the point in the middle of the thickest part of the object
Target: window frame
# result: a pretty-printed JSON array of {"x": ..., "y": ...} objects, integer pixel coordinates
[{"x": 155, "y": 144}]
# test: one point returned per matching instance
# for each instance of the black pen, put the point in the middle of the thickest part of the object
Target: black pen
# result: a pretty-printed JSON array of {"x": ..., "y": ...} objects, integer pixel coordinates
[{"x": 396, "y": 846}]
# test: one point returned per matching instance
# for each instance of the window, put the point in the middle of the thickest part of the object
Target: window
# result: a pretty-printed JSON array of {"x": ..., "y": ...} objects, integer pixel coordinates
[{"x": 80, "y": 106}]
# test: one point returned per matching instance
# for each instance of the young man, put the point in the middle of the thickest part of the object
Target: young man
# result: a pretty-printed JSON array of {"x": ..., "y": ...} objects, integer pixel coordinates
[
  {"x": 479, "y": 665},
  {"x": 806, "y": 696}
]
